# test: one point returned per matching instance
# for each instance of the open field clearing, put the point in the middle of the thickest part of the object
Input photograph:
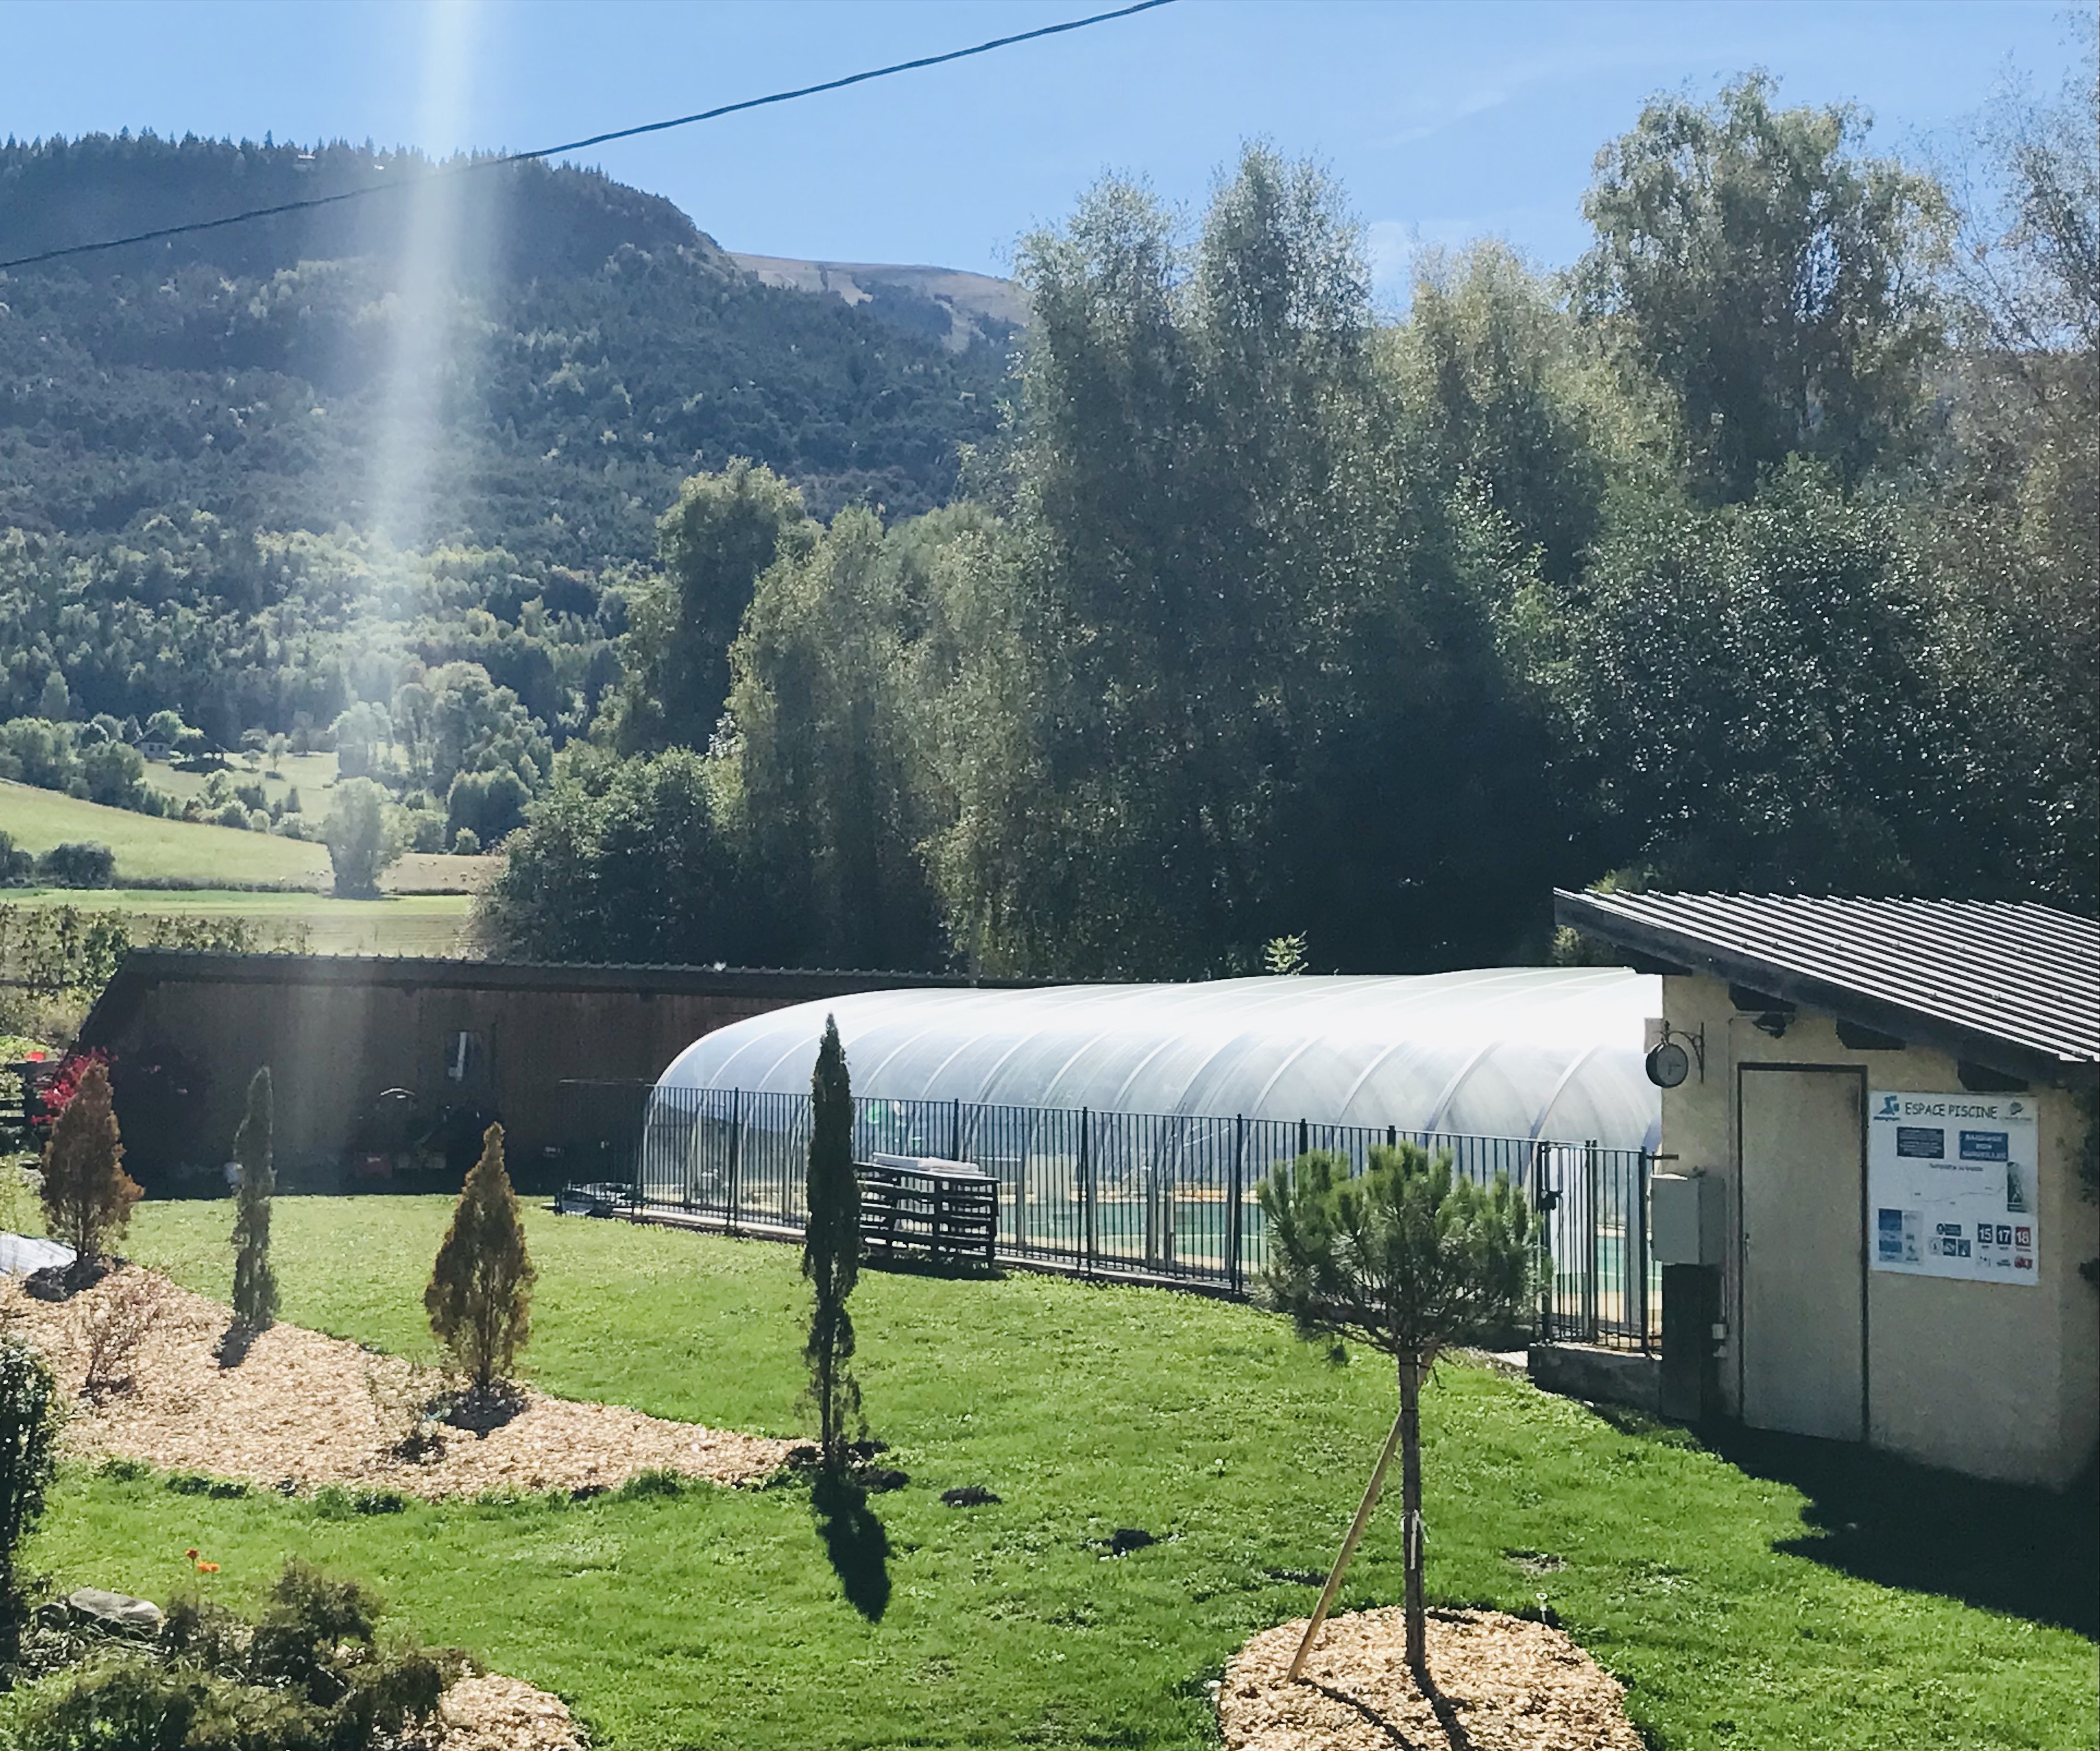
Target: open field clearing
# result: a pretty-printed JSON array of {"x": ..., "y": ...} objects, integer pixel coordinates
[
  {"x": 401, "y": 924},
  {"x": 311, "y": 775},
  {"x": 1775, "y": 1594},
  {"x": 149, "y": 849}
]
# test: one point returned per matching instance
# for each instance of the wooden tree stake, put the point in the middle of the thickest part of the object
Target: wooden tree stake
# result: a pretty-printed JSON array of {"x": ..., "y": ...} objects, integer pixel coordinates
[{"x": 1348, "y": 1550}]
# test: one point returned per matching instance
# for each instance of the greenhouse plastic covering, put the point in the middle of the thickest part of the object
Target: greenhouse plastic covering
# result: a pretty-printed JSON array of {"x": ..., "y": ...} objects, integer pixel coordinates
[{"x": 1534, "y": 1053}]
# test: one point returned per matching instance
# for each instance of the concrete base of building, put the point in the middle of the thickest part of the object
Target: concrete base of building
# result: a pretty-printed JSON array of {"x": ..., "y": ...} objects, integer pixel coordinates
[{"x": 1588, "y": 1371}]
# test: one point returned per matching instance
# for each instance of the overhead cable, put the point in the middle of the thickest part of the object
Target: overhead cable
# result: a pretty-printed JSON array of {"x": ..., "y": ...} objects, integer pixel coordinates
[{"x": 403, "y": 184}]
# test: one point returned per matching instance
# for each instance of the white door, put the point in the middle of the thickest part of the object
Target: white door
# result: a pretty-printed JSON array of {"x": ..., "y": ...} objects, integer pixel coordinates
[{"x": 1804, "y": 1252}]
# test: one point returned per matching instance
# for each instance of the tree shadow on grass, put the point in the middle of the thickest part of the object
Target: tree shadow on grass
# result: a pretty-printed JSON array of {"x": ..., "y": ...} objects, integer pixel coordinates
[
  {"x": 854, "y": 1541},
  {"x": 2028, "y": 1552}
]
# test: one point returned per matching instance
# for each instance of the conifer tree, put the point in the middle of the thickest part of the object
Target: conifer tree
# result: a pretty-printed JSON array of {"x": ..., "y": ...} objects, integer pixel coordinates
[
  {"x": 254, "y": 1279},
  {"x": 480, "y": 1294},
  {"x": 1409, "y": 1259},
  {"x": 87, "y": 1196},
  {"x": 831, "y": 1248}
]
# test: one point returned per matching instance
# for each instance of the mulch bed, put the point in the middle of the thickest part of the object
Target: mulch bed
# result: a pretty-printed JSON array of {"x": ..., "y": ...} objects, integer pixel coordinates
[
  {"x": 303, "y": 1409},
  {"x": 1503, "y": 1684}
]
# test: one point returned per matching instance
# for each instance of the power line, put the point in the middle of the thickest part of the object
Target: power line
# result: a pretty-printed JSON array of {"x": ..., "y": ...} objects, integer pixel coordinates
[{"x": 595, "y": 140}]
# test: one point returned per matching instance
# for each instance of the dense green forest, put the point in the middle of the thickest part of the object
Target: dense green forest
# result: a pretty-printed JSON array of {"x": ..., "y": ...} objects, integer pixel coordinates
[
  {"x": 1756, "y": 551},
  {"x": 203, "y": 440},
  {"x": 1759, "y": 549}
]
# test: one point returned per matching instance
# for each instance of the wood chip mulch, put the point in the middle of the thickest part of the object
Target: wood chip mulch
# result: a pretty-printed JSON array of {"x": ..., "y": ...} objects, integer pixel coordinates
[
  {"x": 1505, "y": 1683},
  {"x": 315, "y": 1410}
]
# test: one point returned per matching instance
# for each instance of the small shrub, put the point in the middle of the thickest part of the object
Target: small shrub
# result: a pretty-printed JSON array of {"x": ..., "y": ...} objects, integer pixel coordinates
[
  {"x": 309, "y": 1676},
  {"x": 124, "y": 1470},
  {"x": 217, "y": 1489},
  {"x": 659, "y": 1480},
  {"x": 29, "y": 1431},
  {"x": 79, "y": 863},
  {"x": 109, "y": 1328},
  {"x": 378, "y": 1501},
  {"x": 466, "y": 843},
  {"x": 404, "y": 1411},
  {"x": 332, "y": 1502},
  {"x": 480, "y": 1293}
]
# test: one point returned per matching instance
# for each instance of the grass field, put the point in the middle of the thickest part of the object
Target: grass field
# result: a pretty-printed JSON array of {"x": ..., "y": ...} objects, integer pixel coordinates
[
  {"x": 399, "y": 924},
  {"x": 149, "y": 849},
  {"x": 311, "y": 775},
  {"x": 1731, "y": 1591}
]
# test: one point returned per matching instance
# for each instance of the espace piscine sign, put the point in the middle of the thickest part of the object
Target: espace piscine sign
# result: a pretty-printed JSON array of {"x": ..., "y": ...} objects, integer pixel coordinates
[{"x": 1951, "y": 1186}]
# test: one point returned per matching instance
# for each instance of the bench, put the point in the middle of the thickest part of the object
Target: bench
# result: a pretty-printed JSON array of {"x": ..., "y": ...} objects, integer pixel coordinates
[{"x": 948, "y": 1209}]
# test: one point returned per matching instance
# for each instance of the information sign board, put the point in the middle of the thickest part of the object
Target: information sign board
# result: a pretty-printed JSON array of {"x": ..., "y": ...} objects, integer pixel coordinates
[{"x": 1951, "y": 1186}]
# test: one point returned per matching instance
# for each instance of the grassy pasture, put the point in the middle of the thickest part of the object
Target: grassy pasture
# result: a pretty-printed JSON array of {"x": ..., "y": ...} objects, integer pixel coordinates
[
  {"x": 399, "y": 924},
  {"x": 311, "y": 775},
  {"x": 1733, "y": 1597},
  {"x": 149, "y": 849}
]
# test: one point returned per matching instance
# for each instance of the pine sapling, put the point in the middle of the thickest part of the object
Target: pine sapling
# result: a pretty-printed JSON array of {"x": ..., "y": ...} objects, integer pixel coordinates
[
  {"x": 480, "y": 1294},
  {"x": 254, "y": 1278}
]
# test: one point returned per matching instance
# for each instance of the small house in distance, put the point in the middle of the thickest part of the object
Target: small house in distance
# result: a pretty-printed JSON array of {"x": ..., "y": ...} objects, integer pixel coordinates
[{"x": 1874, "y": 1188}]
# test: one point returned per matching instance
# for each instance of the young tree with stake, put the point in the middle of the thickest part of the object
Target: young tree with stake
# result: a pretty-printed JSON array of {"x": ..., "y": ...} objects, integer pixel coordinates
[
  {"x": 830, "y": 1249},
  {"x": 480, "y": 1293},
  {"x": 1408, "y": 1258},
  {"x": 254, "y": 1279},
  {"x": 87, "y": 1196}
]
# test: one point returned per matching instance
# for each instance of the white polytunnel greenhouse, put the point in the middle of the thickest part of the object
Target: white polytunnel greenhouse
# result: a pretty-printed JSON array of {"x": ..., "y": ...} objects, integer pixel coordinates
[{"x": 1130, "y": 1125}]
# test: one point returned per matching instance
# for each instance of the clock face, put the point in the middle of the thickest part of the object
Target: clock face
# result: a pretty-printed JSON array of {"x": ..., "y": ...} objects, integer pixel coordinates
[{"x": 1668, "y": 1065}]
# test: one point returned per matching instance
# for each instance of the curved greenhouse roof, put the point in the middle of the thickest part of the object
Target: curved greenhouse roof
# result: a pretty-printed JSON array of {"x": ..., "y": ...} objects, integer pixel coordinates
[{"x": 1536, "y": 1052}]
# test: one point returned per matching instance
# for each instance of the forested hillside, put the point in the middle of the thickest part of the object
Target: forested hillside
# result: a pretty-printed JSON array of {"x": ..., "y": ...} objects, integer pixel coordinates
[{"x": 197, "y": 436}]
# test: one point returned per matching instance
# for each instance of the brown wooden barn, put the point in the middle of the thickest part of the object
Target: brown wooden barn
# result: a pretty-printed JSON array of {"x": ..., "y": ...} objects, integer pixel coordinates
[{"x": 390, "y": 1066}]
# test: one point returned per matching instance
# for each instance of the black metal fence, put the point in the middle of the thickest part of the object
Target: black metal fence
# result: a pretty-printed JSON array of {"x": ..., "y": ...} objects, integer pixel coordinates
[{"x": 1150, "y": 1197}]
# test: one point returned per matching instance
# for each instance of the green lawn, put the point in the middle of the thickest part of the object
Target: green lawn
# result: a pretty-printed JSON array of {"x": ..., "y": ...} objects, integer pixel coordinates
[
  {"x": 149, "y": 849},
  {"x": 398, "y": 923},
  {"x": 1731, "y": 1604}
]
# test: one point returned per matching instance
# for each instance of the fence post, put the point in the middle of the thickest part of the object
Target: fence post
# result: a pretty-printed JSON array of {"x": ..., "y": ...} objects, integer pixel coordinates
[
  {"x": 1639, "y": 1267},
  {"x": 735, "y": 1155},
  {"x": 1085, "y": 1192},
  {"x": 1590, "y": 1295},
  {"x": 955, "y": 1129},
  {"x": 1233, "y": 1207},
  {"x": 1545, "y": 1200}
]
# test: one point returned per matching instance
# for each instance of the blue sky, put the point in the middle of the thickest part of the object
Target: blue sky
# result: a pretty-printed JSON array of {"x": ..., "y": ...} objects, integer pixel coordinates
[{"x": 1444, "y": 121}]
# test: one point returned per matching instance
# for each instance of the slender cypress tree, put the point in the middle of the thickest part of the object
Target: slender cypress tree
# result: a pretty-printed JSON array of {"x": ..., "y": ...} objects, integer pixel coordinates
[
  {"x": 831, "y": 1248},
  {"x": 254, "y": 1278},
  {"x": 480, "y": 1294}
]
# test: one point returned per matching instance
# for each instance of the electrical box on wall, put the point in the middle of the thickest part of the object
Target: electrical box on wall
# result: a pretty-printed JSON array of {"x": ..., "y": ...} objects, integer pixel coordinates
[{"x": 1684, "y": 1218}]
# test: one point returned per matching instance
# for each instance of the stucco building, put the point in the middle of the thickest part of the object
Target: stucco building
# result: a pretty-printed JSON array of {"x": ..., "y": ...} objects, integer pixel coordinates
[{"x": 1884, "y": 1110}]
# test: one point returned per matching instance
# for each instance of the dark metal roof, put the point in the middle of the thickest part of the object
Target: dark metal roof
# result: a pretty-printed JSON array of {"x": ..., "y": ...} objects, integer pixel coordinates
[
  {"x": 143, "y": 969},
  {"x": 2013, "y": 987}
]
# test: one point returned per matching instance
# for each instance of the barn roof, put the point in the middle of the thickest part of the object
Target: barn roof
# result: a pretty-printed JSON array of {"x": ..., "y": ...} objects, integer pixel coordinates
[{"x": 2013, "y": 987}]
